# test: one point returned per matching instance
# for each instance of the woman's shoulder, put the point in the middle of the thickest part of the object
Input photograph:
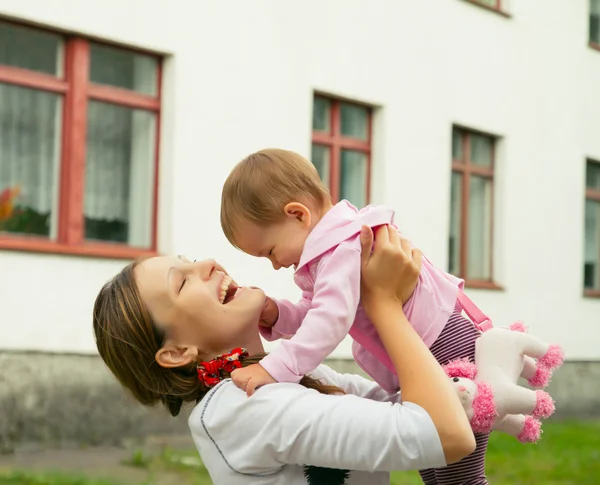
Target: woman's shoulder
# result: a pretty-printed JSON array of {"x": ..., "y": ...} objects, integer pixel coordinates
[
  {"x": 226, "y": 403},
  {"x": 235, "y": 430}
]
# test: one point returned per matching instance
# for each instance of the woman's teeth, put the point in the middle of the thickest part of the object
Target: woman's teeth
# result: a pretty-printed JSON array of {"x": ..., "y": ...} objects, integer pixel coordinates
[{"x": 224, "y": 287}]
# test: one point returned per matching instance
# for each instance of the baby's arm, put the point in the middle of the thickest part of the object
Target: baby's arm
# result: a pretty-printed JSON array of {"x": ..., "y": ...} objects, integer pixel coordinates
[
  {"x": 289, "y": 319},
  {"x": 327, "y": 322}
]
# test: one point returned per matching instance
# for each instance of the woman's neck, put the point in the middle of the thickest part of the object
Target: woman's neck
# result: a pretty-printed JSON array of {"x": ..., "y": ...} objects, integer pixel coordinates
[
  {"x": 251, "y": 342},
  {"x": 254, "y": 344}
]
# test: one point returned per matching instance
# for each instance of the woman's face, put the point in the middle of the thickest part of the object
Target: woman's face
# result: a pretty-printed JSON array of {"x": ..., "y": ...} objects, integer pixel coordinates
[{"x": 198, "y": 304}]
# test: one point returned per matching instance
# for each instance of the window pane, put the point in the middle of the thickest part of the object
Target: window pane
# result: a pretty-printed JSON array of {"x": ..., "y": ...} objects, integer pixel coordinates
[
  {"x": 353, "y": 177},
  {"x": 320, "y": 159},
  {"x": 481, "y": 150},
  {"x": 595, "y": 22},
  {"x": 480, "y": 229},
  {"x": 30, "y": 49},
  {"x": 592, "y": 177},
  {"x": 455, "y": 223},
  {"x": 457, "y": 145},
  {"x": 119, "y": 175},
  {"x": 355, "y": 121},
  {"x": 490, "y": 3},
  {"x": 123, "y": 69},
  {"x": 29, "y": 159},
  {"x": 591, "y": 269},
  {"x": 322, "y": 115}
]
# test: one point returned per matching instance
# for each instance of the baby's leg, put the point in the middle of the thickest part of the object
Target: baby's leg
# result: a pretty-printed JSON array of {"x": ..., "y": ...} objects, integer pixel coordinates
[
  {"x": 428, "y": 476},
  {"x": 457, "y": 341},
  {"x": 468, "y": 471}
]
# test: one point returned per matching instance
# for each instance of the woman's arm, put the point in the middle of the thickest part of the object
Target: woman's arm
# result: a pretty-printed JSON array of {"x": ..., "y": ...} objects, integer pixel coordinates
[
  {"x": 389, "y": 275},
  {"x": 355, "y": 385},
  {"x": 290, "y": 424}
]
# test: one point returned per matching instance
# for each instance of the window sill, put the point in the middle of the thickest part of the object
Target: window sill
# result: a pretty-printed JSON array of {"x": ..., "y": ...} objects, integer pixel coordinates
[
  {"x": 499, "y": 11},
  {"x": 483, "y": 285},
  {"x": 594, "y": 46},
  {"x": 91, "y": 249},
  {"x": 591, "y": 293}
]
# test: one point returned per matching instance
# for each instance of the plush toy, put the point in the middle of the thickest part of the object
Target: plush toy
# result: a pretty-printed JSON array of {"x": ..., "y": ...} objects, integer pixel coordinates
[{"x": 488, "y": 388}]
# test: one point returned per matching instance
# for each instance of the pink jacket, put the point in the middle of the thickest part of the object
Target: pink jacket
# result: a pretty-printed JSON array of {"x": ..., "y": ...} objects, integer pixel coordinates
[{"x": 329, "y": 276}]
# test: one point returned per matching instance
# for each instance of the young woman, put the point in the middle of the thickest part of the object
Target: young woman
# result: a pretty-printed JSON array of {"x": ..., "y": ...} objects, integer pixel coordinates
[{"x": 160, "y": 323}]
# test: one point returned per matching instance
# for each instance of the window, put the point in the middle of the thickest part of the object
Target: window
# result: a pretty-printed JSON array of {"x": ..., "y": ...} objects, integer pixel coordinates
[
  {"x": 498, "y": 6},
  {"x": 471, "y": 207},
  {"x": 78, "y": 145},
  {"x": 341, "y": 148},
  {"x": 595, "y": 23},
  {"x": 591, "y": 265}
]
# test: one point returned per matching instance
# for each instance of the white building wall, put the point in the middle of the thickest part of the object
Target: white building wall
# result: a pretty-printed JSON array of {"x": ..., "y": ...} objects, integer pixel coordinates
[{"x": 240, "y": 76}]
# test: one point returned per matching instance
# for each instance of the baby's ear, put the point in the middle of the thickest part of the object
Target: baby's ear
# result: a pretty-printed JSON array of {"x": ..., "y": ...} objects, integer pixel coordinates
[{"x": 298, "y": 211}]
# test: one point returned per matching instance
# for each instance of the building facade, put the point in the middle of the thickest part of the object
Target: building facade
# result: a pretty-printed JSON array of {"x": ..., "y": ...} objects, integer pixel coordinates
[{"x": 478, "y": 121}]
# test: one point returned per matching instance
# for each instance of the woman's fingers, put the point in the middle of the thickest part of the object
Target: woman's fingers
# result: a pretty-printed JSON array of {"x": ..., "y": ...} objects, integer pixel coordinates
[
  {"x": 394, "y": 236},
  {"x": 417, "y": 257},
  {"x": 382, "y": 237},
  {"x": 366, "y": 244},
  {"x": 388, "y": 241}
]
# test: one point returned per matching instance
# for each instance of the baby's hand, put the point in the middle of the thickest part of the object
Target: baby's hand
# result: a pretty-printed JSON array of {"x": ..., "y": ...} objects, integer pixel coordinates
[
  {"x": 269, "y": 314},
  {"x": 250, "y": 378}
]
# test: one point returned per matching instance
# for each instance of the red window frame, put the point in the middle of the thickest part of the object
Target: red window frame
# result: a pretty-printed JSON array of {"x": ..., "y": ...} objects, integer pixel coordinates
[
  {"x": 336, "y": 142},
  {"x": 592, "y": 194},
  {"x": 497, "y": 7},
  {"x": 77, "y": 89},
  {"x": 467, "y": 169}
]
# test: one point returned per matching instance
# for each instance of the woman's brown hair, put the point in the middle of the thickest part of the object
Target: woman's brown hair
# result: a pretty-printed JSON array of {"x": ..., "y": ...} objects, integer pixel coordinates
[{"x": 128, "y": 339}]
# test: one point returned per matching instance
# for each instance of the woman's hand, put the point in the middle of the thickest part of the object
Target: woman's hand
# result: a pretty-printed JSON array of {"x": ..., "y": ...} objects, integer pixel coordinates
[{"x": 391, "y": 271}]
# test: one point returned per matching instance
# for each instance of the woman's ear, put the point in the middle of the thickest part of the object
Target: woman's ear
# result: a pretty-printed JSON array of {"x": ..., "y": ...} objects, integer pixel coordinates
[
  {"x": 171, "y": 356},
  {"x": 298, "y": 211}
]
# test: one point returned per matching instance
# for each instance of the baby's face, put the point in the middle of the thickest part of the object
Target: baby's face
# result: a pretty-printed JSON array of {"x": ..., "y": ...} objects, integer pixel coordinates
[{"x": 282, "y": 242}]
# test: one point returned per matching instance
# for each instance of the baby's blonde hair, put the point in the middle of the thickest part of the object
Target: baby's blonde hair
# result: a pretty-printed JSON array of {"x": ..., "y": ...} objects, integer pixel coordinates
[{"x": 260, "y": 186}]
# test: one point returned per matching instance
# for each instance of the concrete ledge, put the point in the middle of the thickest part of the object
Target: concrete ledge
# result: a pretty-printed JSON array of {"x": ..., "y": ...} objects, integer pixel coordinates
[
  {"x": 58, "y": 399},
  {"x": 71, "y": 400}
]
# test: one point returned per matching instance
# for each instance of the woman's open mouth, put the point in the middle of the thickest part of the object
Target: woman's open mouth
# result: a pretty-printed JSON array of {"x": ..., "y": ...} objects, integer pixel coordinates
[{"x": 228, "y": 290}]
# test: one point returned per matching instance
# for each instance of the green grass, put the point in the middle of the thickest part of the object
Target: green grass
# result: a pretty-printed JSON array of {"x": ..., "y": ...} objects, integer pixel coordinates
[
  {"x": 569, "y": 453},
  {"x": 28, "y": 478}
]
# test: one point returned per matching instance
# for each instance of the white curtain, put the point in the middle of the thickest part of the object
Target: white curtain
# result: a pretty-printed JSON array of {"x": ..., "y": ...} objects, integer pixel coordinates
[
  {"x": 455, "y": 223},
  {"x": 353, "y": 177},
  {"x": 30, "y": 147},
  {"x": 120, "y": 150},
  {"x": 479, "y": 239},
  {"x": 592, "y": 243},
  {"x": 119, "y": 176},
  {"x": 320, "y": 159}
]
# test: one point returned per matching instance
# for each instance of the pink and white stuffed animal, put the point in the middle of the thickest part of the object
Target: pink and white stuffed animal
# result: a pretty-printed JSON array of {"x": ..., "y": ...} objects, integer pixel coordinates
[{"x": 488, "y": 388}]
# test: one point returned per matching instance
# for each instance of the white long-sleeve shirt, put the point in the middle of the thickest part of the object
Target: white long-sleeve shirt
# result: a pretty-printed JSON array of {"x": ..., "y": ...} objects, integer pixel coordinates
[{"x": 268, "y": 438}]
